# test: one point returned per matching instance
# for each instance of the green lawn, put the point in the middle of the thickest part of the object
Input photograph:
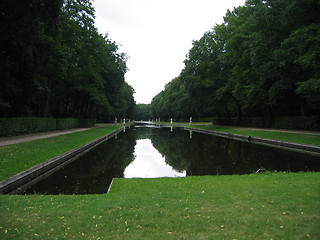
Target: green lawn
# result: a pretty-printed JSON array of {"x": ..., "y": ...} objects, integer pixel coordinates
[
  {"x": 257, "y": 206},
  {"x": 281, "y": 136},
  {"x": 19, "y": 157}
]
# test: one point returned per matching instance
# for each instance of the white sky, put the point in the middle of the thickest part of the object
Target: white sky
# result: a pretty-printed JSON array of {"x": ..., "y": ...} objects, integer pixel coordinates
[
  {"x": 149, "y": 163},
  {"x": 157, "y": 35}
]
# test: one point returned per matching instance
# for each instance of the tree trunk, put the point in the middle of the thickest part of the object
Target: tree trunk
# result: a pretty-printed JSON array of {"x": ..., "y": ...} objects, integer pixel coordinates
[
  {"x": 46, "y": 105},
  {"x": 239, "y": 111},
  {"x": 302, "y": 107}
]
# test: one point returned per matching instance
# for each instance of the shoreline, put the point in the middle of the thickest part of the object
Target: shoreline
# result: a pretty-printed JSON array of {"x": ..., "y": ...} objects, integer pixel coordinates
[
  {"x": 306, "y": 148},
  {"x": 24, "y": 179}
]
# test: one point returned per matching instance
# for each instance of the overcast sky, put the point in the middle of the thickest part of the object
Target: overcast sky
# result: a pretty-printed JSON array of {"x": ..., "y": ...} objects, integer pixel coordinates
[{"x": 157, "y": 35}]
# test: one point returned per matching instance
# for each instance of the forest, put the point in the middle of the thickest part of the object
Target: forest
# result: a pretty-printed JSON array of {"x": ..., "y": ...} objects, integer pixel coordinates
[
  {"x": 262, "y": 61},
  {"x": 54, "y": 63}
]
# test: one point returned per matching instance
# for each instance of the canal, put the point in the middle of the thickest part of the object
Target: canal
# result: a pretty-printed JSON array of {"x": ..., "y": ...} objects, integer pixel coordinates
[{"x": 150, "y": 152}]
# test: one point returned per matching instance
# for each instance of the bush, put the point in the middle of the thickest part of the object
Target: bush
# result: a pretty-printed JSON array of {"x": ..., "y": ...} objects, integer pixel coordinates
[
  {"x": 20, "y": 126},
  {"x": 84, "y": 123},
  {"x": 206, "y": 119},
  {"x": 305, "y": 123},
  {"x": 294, "y": 123},
  {"x": 66, "y": 123}
]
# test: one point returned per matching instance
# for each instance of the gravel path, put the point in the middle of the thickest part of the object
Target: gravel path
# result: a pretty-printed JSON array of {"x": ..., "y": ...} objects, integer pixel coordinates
[{"x": 35, "y": 136}]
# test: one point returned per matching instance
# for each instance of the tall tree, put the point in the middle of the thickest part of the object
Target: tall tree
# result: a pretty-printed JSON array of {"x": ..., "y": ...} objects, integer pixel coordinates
[
  {"x": 54, "y": 63},
  {"x": 261, "y": 62},
  {"x": 20, "y": 24}
]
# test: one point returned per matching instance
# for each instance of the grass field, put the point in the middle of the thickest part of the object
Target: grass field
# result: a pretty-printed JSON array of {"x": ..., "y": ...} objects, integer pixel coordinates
[
  {"x": 281, "y": 136},
  {"x": 257, "y": 206},
  {"x": 19, "y": 157}
]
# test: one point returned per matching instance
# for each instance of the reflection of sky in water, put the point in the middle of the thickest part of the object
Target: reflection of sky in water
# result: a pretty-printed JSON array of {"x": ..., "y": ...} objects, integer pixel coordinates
[{"x": 149, "y": 163}]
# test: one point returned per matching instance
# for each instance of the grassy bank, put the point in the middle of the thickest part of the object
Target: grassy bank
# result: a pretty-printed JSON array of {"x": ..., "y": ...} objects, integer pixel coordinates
[
  {"x": 266, "y": 206},
  {"x": 19, "y": 157},
  {"x": 281, "y": 136}
]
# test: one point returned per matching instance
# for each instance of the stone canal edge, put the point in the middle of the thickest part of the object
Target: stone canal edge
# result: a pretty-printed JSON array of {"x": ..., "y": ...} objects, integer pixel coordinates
[
  {"x": 26, "y": 178},
  {"x": 306, "y": 148}
]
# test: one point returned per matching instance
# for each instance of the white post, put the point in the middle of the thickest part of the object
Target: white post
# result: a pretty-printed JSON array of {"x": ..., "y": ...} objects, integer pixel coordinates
[
  {"x": 115, "y": 120},
  {"x": 190, "y": 121},
  {"x": 124, "y": 121},
  {"x": 171, "y": 120}
]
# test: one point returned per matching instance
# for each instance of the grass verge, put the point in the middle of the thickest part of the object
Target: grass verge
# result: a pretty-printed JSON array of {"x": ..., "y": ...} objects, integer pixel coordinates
[
  {"x": 264, "y": 206},
  {"x": 19, "y": 157},
  {"x": 281, "y": 136}
]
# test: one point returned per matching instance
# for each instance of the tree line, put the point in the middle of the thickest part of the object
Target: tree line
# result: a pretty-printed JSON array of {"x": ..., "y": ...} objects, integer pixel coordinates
[
  {"x": 54, "y": 63},
  {"x": 262, "y": 61}
]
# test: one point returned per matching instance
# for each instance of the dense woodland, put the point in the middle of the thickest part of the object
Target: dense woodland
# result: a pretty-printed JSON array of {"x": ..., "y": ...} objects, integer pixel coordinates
[
  {"x": 263, "y": 61},
  {"x": 54, "y": 63}
]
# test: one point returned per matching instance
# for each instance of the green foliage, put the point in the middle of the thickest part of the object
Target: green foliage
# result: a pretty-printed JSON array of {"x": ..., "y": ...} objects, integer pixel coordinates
[
  {"x": 143, "y": 112},
  {"x": 263, "y": 61},
  {"x": 67, "y": 123},
  {"x": 300, "y": 122},
  {"x": 54, "y": 63},
  {"x": 19, "y": 126},
  {"x": 307, "y": 123}
]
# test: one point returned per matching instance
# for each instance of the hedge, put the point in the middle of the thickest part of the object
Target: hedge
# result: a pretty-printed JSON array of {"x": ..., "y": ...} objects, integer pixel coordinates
[
  {"x": 293, "y": 123},
  {"x": 205, "y": 119},
  {"x": 20, "y": 126}
]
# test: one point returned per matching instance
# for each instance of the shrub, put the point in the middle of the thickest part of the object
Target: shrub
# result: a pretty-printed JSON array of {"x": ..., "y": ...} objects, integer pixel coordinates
[
  {"x": 19, "y": 126},
  {"x": 297, "y": 122}
]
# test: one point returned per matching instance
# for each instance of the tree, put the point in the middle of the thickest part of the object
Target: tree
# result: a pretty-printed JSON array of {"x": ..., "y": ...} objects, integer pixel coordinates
[
  {"x": 263, "y": 61},
  {"x": 28, "y": 21},
  {"x": 143, "y": 112},
  {"x": 54, "y": 63}
]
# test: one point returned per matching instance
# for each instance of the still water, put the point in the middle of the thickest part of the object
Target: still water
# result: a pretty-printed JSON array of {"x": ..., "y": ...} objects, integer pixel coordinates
[
  {"x": 149, "y": 163},
  {"x": 149, "y": 152}
]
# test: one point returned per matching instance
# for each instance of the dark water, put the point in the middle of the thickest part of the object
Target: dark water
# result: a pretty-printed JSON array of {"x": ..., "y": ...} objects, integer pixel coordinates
[{"x": 162, "y": 152}]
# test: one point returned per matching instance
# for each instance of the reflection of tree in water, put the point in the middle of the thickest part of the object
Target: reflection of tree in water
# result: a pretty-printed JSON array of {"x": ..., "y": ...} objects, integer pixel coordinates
[
  {"x": 142, "y": 132},
  {"x": 201, "y": 155},
  {"x": 93, "y": 171},
  {"x": 172, "y": 146},
  {"x": 210, "y": 155}
]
